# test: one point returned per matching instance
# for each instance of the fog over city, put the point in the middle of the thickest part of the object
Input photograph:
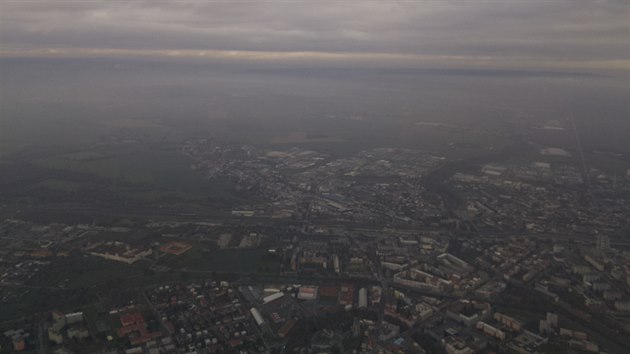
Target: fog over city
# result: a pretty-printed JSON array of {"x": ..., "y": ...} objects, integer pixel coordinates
[
  {"x": 274, "y": 176},
  {"x": 558, "y": 51},
  {"x": 581, "y": 34}
]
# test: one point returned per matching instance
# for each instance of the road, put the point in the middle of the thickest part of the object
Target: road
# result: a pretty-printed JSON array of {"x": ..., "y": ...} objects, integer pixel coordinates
[{"x": 41, "y": 345}]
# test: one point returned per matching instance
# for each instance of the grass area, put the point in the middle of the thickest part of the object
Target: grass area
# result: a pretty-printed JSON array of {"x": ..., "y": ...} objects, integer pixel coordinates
[
  {"x": 31, "y": 301},
  {"x": 226, "y": 260},
  {"x": 269, "y": 264},
  {"x": 105, "y": 167},
  {"x": 615, "y": 165},
  {"x": 139, "y": 171},
  {"x": 82, "y": 156},
  {"x": 86, "y": 271},
  {"x": 21, "y": 302},
  {"x": 525, "y": 316},
  {"x": 58, "y": 184},
  {"x": 161, "y": 195},
  {"x": 132, "y": 163},
  {"x": 555, "y": 346}
]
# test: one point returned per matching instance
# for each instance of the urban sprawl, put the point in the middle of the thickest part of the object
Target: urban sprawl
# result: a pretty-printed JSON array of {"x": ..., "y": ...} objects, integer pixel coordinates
[{"x": 379, "y": 251}]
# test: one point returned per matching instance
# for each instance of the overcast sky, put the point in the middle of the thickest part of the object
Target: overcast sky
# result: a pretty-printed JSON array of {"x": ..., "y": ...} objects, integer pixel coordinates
[{"x": 536, "y": 33}]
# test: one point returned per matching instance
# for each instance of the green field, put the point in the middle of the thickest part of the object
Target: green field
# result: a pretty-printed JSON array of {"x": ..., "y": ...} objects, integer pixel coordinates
[
  {"x": 134, "y": 164},
  {"x": 86, "y": 271},
  {"x": 58, "y": 185},
  {"x": 137, "y": 172},
  {"x": 211, "y": 259}
]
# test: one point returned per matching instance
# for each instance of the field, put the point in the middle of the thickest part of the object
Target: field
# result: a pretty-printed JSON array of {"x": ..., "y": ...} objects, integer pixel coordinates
[
  {"x": 139, "y": 177},
  {"x": 209, "y": 259},
  {"x": 165, "y": 168},
  {"x": 78, "y": 272}
]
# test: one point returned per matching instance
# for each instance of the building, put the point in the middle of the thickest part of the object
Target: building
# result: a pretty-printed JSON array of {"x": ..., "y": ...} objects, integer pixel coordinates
[
  {"x": 246, "y": 213},
  {"x": 117, "y": 251},
  {"x": 491, "y": 331},
  {"x": 363, "y": 298},
  {"x": 78, "y": 332},
  {"x": 19, "y": 344},
  {"x": 273, "y": 297},
  {"x": 509, "y": 322},
  {"x": 18, "y": 339},
  {"x": 549, "y": 324},
  {"x": 454, "y": 345},
  {"x": 286, "y": 328},
  {"x": 54, "y": 335},
  {"x": 175, "y": 247},
  {"x": 527, "y": 343},
  {"x": 622, "y": 306},
  {"x": 603, "y": 242},
  {"x": 356, "y": 327},
  {"x": 594, "y": 261},
  {"x": 468, "y": 313},
  {"x": 307, "y": 293},
  {"x": 135, "y": 328},
  {"x": 59, "y": 316},
  {"x": 336, "y": 264},
  {"x": 72, "y": 318},
  {"x": 346, "y": 295},
  {"x": 423, "y": 311},
  {"x": 257, "y": 316},
  {"x": 419, "y": 279}
]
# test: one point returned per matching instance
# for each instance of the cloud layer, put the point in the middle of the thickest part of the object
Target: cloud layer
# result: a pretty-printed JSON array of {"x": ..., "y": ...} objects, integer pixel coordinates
[{"x": 594, "y": 33}]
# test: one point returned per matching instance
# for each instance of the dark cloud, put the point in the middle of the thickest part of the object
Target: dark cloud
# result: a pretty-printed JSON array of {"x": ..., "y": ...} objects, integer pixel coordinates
[{"x": 532, "y": 30}]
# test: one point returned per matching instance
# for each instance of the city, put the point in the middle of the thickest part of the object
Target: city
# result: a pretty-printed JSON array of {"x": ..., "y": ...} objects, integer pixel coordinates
[
  {"x": 371, "y": 257},
  {"x": 314, "y": 177}
]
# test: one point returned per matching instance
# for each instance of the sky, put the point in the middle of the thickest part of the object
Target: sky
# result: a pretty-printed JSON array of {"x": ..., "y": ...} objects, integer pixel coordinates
[
  {"x": 538, "y": 34},
  {"x": 450, "y": 60}
]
